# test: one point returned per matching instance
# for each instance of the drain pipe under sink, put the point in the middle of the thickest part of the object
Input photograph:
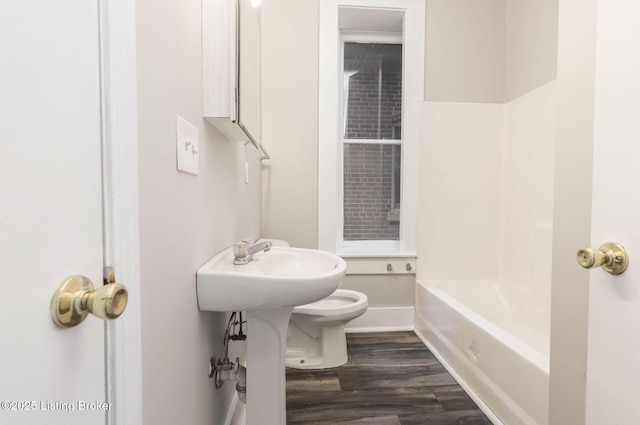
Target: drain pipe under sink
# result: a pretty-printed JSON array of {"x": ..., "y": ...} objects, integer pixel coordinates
[
  {"x": 241, "y": 386},
  {"x": 224, "y": 370}
]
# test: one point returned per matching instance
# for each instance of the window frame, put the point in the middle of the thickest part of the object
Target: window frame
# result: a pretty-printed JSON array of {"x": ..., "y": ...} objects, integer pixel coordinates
[{"x": 330, "y": 108}]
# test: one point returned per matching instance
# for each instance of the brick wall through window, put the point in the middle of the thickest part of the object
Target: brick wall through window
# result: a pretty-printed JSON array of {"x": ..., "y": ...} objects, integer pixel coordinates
[{"x": 373, "y": 111}]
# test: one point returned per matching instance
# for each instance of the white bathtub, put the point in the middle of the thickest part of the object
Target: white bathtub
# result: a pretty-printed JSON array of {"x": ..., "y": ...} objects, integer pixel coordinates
[{"x": 495, "y": 336}]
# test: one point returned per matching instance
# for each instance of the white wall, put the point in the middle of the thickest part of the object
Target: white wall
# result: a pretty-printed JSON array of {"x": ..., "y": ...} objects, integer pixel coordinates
[
  {"x": 459, "y": 191},
  {"x": 184, "y": 219},
  {"x": 391, "y": 290},
  {"x": 465, "y": 44},
  {"x": 531, "y": 45},
  {"x": 489, "y": 51},
  {"x": 290, "y": 120}
]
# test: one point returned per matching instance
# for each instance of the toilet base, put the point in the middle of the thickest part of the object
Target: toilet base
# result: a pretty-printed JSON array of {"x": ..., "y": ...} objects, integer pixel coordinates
[
  {"x": 315, "y": 337},
  {"x": 325, "y": 352}
]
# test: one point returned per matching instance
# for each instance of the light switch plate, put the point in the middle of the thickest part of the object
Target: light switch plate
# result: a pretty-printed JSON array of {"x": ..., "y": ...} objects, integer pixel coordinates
[{"x": 187, "y": 146}]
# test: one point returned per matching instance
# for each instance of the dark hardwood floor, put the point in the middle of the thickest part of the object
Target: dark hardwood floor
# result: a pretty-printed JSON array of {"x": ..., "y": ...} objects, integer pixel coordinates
[{"x": 390, "y": 379}]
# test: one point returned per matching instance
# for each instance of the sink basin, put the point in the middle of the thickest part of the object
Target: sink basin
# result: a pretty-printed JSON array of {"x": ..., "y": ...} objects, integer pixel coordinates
[
  {"x": 280, "y": 277},
  {"x": 267, "y": 288}
]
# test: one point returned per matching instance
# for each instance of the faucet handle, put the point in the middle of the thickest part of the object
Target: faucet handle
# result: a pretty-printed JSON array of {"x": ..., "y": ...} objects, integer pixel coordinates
[{"x": 241, "y": 249}]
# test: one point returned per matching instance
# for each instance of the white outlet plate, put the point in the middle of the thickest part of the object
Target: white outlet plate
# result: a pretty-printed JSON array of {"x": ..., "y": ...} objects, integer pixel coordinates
[{"x": 187, "y": 148}]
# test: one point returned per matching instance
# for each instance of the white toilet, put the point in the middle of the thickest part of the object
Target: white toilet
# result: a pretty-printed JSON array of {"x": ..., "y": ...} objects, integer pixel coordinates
[{"x": 316, "y": 337}]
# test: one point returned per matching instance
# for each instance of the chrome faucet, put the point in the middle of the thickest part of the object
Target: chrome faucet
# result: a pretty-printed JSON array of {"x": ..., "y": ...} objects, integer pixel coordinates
[{"x": 244, "y": 251}]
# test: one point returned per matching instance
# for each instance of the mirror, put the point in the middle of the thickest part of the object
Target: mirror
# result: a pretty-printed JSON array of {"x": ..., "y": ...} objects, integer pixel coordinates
[
  {"x": 249, "y": 76},
  {"x": 231, "y": 62}
]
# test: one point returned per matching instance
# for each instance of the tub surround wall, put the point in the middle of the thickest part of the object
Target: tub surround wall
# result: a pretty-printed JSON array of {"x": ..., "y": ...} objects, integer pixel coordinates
[
  {"x": 459, "y": 203},
  {"x": 487, "y": 190},
  {"x": 184, "y": 219},
  {"x": 527, "y": 190}
]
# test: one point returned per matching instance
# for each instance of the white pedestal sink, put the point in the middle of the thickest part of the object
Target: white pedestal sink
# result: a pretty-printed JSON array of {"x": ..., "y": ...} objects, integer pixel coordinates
[{"x": 267, "y": 288}]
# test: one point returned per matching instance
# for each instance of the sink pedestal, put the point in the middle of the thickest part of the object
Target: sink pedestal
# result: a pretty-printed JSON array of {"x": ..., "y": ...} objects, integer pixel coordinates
[
  {"x": 267, "y": 288},
  {"x": 266, "y": 377}
]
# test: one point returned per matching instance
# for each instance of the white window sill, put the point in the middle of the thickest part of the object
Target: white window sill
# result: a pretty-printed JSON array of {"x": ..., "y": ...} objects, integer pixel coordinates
[{"x": 388, "y": 254}]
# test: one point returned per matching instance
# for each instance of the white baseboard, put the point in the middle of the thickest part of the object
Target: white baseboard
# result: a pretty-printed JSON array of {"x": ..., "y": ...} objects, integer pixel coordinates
[
  {"x": 383, "y": 319},
  {"x": 472, "y": 394}
]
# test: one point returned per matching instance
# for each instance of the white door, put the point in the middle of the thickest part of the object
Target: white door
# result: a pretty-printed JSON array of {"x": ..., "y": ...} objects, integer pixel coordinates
[
  {"x": 613, "y": 357},
  {"x": 50, "y": 209}
]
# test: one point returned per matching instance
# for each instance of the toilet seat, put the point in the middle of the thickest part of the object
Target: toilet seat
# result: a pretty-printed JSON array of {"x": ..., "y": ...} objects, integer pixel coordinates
[{"x": 341, "y": 301}]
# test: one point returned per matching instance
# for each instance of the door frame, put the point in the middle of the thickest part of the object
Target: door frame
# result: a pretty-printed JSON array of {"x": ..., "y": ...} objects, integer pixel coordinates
[
  {"x": 573, "y": 174},
  {"x": 123, "y": 353}
]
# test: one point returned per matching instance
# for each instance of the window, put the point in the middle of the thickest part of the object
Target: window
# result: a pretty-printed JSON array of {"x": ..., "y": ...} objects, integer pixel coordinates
[
  {"x": 371, "y": 80},
  {"x": 371, "y": 142}
]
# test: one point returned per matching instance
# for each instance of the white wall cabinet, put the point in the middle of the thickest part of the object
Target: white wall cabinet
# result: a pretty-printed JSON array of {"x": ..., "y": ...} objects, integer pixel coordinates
[{"x": 232, "y": 86}]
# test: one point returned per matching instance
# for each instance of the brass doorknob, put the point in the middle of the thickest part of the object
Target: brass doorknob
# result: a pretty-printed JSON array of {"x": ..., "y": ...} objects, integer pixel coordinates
[
  {"x": 76, "y": 298},
  {"x": 611, "y": 256}
]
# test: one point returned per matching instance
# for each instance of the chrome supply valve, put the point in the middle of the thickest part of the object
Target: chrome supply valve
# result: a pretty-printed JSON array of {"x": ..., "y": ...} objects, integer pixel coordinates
[
  {"x": 244, "y": 251},
  {"x": 225, "y": 370}
]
